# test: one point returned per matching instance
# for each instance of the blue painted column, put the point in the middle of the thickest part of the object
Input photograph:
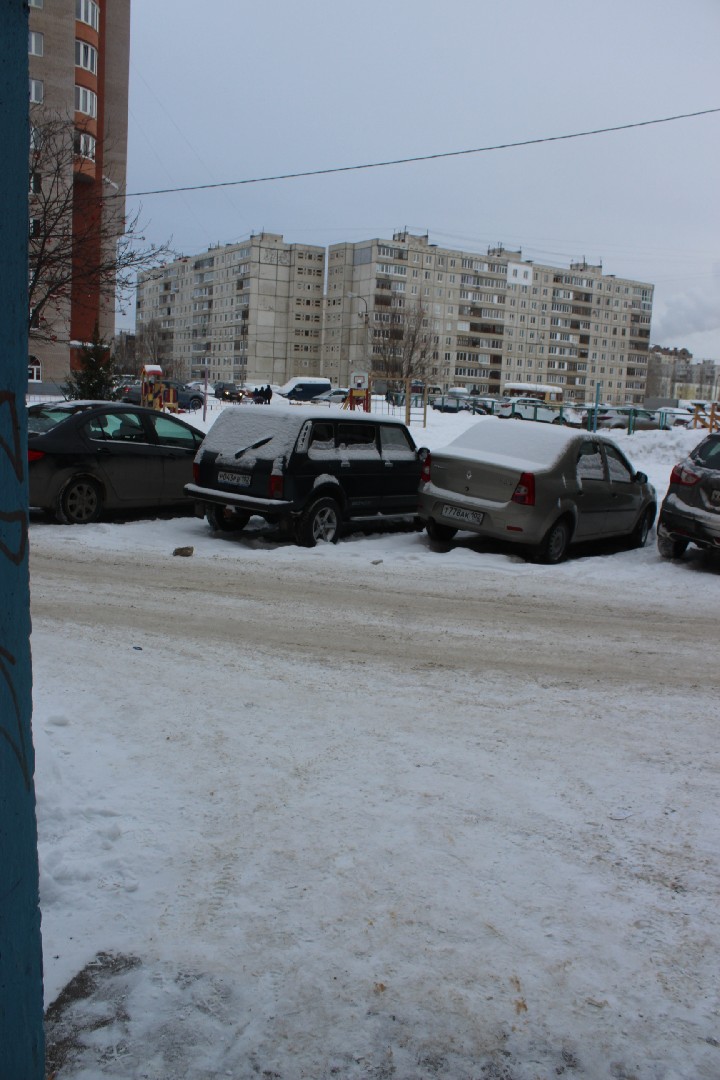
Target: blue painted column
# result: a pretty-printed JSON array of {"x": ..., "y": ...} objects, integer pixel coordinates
[{"x": 21, "y": 1004}]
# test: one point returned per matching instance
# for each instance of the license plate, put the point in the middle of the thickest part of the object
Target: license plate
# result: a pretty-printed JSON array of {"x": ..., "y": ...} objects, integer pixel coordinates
[
  {"x": 456, "y": 513},
  {"x": 235, "y": 478}
]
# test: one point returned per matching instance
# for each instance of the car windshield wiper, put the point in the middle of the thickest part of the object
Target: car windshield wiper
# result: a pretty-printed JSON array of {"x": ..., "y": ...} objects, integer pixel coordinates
[{"x": 253, "y": 446}]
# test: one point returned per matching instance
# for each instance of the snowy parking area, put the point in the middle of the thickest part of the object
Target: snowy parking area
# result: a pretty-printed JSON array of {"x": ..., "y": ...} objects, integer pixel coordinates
[{"x": 376, "y": 810}]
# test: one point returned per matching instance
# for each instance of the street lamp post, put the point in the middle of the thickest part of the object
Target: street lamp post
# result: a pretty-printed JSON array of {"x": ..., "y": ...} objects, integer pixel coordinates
[{"x": 366, "y": 317}]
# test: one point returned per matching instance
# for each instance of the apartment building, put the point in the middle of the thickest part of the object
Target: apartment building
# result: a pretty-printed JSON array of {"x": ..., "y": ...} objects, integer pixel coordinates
[
  {"x": 249, "y": 312},
  {"x": 674, "y": 374},
  {"x": 79, "y": 59},
  {"x": 488, "y": 319}
]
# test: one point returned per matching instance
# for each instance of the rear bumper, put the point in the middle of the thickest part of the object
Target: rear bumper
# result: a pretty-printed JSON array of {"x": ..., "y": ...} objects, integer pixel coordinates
[
  {"x": 268, "y": 508},
  {"x": 700, "y": 528}
]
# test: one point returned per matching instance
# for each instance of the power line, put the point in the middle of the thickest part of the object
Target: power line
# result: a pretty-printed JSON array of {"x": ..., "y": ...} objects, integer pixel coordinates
[{"x": 421, "y": 157}]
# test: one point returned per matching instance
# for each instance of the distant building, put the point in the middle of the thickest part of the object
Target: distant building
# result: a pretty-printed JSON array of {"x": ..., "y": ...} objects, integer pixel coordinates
[
  {"x": 79, "y": 57},
  {"x": 674, "y": 374},
  {"x": 249, "y": 312},
  {"x": 488, "y": 318}
]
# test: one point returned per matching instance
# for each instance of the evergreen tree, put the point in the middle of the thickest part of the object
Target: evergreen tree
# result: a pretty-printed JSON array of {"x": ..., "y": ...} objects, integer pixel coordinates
[{"x": 93, "y": 380}]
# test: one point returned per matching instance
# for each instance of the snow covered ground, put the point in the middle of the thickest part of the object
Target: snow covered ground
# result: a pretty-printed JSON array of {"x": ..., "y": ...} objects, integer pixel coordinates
[{"x": 376, "y": 810}]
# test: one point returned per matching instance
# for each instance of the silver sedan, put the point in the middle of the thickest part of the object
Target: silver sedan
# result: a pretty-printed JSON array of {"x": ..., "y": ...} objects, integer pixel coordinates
[{"x": 539, "y": 486}]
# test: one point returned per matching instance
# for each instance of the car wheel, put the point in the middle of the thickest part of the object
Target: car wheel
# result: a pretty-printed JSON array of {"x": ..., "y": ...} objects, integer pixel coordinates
[
  {"x": 555, "y": 543},
  {"x": 560, "y": 420},
  {"x": 639, "y": 535},
  {"x": 80, "y": 502},
  {"x": 517, "y": 416},
  {"x": 225, "y": 519},
  {"x": 196, "y": 403},
  {"x": 670, "y": 548},
  {"x": 438, "y": 532},
  {"x": 320, "y": 523}
]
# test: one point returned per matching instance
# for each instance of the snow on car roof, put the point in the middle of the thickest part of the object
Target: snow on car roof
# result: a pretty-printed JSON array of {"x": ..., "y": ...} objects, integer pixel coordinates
[
  {"x": 244, "y": 425},
  {"x": 512, "y": 442}
]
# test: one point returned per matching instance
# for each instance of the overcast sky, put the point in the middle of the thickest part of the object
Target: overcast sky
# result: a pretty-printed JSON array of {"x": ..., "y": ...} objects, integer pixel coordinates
[{"x": 238, "y": 89}]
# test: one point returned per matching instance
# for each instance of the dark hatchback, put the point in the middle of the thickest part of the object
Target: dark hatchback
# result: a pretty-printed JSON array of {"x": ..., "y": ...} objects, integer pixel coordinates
[
  {"x": 310, "y": 474},
  {"x": 85, "y": 457},
  {"x": 690, "y": 513}
]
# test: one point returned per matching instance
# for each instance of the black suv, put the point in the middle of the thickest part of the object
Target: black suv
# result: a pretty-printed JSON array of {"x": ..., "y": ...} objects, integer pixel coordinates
[{"x": 307, "y": 473}]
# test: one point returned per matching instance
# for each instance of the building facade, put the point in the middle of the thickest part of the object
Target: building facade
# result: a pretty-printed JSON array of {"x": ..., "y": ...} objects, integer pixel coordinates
[
  {"x": 489, "y": 319},
  {"x": 674, "y": 374},
  {"x": 249, "y": 312},
  {"x": 78, "y": 67}
]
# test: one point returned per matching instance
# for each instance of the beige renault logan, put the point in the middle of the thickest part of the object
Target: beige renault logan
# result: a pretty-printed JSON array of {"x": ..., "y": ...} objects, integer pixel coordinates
[{"x": 535, "y": 485}]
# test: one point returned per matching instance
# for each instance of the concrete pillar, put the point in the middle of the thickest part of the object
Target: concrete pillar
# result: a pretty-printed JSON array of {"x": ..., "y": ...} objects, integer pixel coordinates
[{"x": 21, "y": 1004}]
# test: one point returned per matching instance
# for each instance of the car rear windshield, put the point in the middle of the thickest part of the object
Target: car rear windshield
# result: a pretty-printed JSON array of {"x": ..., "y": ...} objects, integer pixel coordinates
[
  {"x": 708, "y": 452},
  {"x": 46, "y": 418},
  {"x": 255, "y": 431}
]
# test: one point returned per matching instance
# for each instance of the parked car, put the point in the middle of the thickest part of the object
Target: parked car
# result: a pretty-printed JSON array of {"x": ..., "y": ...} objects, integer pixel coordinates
[
  {"x": 618, "y": 418},
  {"x": 545, "y": 488},
  {"x": 85, "y": 457},
  {"x": 187, "y": 398},
  {"x": 304, "y": 389},
  {"x": 309, "y": 472},
  {"x": 449, "y": 404},
  {"x": 690, "y": 512},
  {"x": 228, "y": 391},
  {"x": 331, "y": 397},
  {"x": 532, "y": 409}
]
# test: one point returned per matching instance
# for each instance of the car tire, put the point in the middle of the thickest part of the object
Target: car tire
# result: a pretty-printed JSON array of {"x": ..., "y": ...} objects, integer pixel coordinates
[
  {"x": 225, "y": 519},
  {"x": 319, "y": 523},
  {"x": 438, "y": 532},
  {"x": 554, "y": 545},
  {"x": 671, "y": 548},
  {"x": 517, "y": 416},
  {"x": 639, "y": 535},
  {"x": 195, "y": 404},
  {"x": 560, "y": 420},
  {"x": 80, "y": 502}
]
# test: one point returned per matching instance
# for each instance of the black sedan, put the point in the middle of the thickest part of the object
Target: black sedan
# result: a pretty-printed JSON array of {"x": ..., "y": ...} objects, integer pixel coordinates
[{"x": 85, "y": 457}]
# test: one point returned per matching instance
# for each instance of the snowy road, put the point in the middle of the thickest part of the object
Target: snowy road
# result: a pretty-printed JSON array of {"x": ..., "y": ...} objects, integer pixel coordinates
[{"x": 375, "y": 811}]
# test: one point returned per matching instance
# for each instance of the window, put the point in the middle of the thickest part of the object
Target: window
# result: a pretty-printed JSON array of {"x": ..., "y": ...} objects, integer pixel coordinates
[
  {"x": 86, "y": 56},
  {"x": 37, "y": 91},
  {"x": 35, "y": 3},
  {"x": 618, "y": 466},
  {"x": 85, "y": 101},
  {"x": 36, "y": 43},
  {"x": 35, "y": 183},
  {"x": 88, "y": 12},
  {"x": 84, "y": 145},
  {"x": 590, "y": 463}
]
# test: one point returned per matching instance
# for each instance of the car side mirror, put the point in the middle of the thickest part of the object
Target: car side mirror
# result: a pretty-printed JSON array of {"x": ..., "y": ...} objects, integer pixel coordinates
[{"x": 641, "y": 478}]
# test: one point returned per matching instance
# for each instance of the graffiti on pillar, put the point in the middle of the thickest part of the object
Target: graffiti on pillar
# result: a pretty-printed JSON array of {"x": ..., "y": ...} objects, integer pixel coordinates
[{"x": 13, "y": 547}]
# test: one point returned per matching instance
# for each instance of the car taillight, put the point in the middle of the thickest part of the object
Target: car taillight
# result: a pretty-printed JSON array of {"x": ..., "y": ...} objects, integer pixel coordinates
[
  {"x": 35, "y": 455},
  {"x": 682, "y": 475},
  {"x": 276, "y": 486},
  {"x": 425, "y": 471},
  {"x": 524, "y": 492}
]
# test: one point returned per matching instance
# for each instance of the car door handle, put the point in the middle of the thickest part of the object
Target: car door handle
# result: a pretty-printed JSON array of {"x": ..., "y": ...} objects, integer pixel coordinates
[{"x": 389, "y": 464}]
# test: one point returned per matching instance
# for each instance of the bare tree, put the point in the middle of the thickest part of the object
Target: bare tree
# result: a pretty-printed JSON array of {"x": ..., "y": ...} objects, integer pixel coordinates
[
  {"x": 402, "y": 346},
  {"x": 73, "y": 250},
  {"x": 149, "y": 342}
]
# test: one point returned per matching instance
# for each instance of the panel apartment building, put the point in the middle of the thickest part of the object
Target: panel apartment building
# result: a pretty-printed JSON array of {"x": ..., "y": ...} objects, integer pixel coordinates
[
  {"x": 79, "y": 59},
  {"x": 490, "y": 319},
  {"x": 249, "y": 312}
]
